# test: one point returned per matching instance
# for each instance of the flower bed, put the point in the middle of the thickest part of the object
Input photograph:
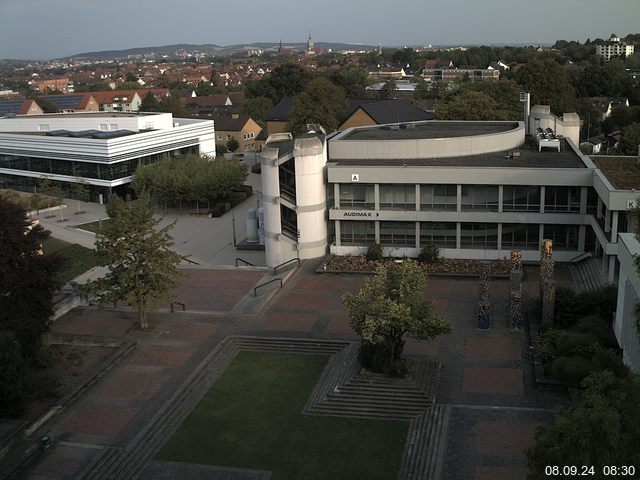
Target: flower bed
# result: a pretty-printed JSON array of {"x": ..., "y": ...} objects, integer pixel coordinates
[{"x": 359, "y": 263}]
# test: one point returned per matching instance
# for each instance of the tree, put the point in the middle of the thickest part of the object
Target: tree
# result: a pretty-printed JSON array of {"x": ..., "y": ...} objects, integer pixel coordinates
[
  {"x": 390, "y": 305},
  {"x": 630, "y": 142},
  {"x": 232, "y": 145},
  {"x": 257, "y": 108},
  {"x": 149, "y": 103},
  {"x": 13, "y": 371},
  {"x": 143, "y": 270},
  {"x": 548, "y": 83},
  {"x": 321, "y": 102},
  {"x": 285, "y": 80},
  {"x": 388, "y": 90},
  {"x": 353, "y": 80},
  {"x": 598, "y": 429},
  {"x": 27, "y": 279},
  {"x": 472, "y": 105}
]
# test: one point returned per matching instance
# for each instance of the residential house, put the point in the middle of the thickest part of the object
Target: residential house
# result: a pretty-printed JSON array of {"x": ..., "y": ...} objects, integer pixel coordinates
[
  {"x": 20, "y": 106},
  {"x": 366, "y": 112},
  {"x": 77, "y": 102},
  {"x": 118, "y": 100},
  {"x": 241, "y": 127},
  {"x": 614, "y": 47},
  {"x": 63, "y": 85},
  {"x": 279, "y": 116}
]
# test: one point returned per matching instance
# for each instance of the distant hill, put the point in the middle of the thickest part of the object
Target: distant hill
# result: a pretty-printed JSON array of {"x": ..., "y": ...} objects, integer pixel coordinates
[{"x": 208, "y": 49}]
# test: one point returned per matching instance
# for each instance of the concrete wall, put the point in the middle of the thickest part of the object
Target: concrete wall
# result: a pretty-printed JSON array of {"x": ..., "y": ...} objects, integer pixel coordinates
[
  {"x": 628, "y": 296},
  {"x": 86, "y": 121},
  {"x": 428, "y": 147},
  {"x": 567, "y": 126}
]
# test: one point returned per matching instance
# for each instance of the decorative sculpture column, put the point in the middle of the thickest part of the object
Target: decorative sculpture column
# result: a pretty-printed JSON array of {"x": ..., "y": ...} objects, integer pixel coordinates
[
  {"x": 515, "y": 297},
  {"x": 484, "y": 306},
  {"x": 547, "y": 284}
]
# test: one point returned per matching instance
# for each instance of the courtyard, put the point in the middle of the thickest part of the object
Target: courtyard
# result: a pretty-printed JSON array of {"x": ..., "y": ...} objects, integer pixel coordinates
[{"x": 139, "y": 417}]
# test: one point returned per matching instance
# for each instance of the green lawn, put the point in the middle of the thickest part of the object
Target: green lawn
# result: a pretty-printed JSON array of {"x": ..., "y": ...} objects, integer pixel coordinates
[
  {"x": 252, "y": 418},
  {"x": 76, "y": 259},
  {"x": 94, "y": 226}
]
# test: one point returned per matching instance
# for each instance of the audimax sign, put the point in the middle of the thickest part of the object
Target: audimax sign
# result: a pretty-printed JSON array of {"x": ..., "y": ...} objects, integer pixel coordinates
[{"x": 360, "y": 214}]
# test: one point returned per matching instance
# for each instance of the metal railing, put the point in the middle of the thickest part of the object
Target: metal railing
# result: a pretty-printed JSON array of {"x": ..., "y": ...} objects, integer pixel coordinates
[
  {"x": 582, "y": 256},
  {"x": 285, "y": 264},
  {"x": 256, "y": 288},
  {"x": 184, "y": 308},
  {"x": 238, "y": 259}
]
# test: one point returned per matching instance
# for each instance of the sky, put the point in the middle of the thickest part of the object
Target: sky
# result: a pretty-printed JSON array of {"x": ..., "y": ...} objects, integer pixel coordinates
[{"x": 45, "y": 29}]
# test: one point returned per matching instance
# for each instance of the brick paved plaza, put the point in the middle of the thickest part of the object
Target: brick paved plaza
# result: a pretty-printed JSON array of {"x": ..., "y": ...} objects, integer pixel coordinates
[{"x": 486, "y": 380}]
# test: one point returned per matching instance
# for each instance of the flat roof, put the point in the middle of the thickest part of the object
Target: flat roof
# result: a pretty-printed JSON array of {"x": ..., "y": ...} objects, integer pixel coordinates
[
  {"x": 529, "y": 158},
  {"x": 622, "y": 172},
  {"x": 428, "y": 130},
  {"x": 86, "y": 115}
]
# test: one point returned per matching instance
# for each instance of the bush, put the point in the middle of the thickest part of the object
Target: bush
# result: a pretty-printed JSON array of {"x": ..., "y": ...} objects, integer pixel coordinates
[
  {"x": 546, "y": 347},
  {"x": 569, "y": 306},
  {"x": 571, "y": 370},
  {"x": 429, "y": 254},
  {"x": 599, "y": 328},
  {"x": 375, "y": 253},
  {"x": 610, "y": 359},
  {"x": 573, "y": 343},
  {"x": 13, "y": 373}
]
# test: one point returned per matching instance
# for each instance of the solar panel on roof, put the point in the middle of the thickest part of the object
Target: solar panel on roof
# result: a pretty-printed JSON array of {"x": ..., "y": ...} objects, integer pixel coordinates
[
  {"x": 10, "y": 106},
  {"x": 64, "y": 101},
  {"x": 58, "y": 133}
]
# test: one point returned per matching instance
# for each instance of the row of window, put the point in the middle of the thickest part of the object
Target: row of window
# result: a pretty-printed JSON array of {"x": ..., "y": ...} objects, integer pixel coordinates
[
  {"x": 99, "y": 171},
  {"x": 472, "y": 235},
  {"x": 473, "y": 197}
]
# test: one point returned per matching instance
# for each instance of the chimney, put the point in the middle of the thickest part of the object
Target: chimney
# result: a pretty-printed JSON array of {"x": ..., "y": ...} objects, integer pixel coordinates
[{"x": 235, "y": 115}]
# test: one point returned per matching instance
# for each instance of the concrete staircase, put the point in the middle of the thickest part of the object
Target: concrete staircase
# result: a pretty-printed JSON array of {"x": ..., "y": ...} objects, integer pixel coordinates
[
  {"x": 426, "y": 445},
  {"x": 587, "y": 275},
  {"x": 343, "y": 390}
]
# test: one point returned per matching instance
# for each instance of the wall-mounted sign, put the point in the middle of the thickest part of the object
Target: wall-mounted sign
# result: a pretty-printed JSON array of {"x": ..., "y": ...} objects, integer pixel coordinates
[
  {"x": 351, "y": 213},
  {"x": 355, "y": 177},
  {"x": 632, "y": 204}
]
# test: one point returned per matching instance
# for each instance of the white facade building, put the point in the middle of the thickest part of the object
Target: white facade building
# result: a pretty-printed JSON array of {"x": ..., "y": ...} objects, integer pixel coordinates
[
  {"x": 103, "y": 149},
  {"x": 614, "y": 47},
  {"x": 624, "y": 325}
]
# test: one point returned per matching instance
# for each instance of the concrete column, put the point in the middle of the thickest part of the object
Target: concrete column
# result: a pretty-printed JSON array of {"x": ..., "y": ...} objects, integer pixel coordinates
[
  {"x": 541, "y": 235},
  {"x": 582, "y": 233},
  {"x": 377, "y": 231},
  {"x": 500, "y": 199},
  {"x": 599, "y": 208},
  {"x": 458, "y": 230},
  {"x": 418, "y": 235},
  {"x": 337, "y": 232},
  {"x": 417, "y": 197},
  {"x": 336, "y": 194},
  {"x": 607, "y": 221},
  {"x": 274, "y": 244},
  {"x": 542, "y": 193},
  {"x": 583, "y": 200},
  {"x": 614, "y": 226},
  {"x": 376, "y": 198},
  {"x": 612, "y": 268},
  {"x": 459, "y": 200},
  {"x": 500, "y": 225}
]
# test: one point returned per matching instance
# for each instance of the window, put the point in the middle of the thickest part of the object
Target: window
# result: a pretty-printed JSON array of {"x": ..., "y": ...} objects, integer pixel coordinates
[
  {"x": 113, "y": 126},
  {"x": 399, "y": 234},
  {"x": 220, "y": 137},
  {"x": 564, "y": 237},
  {"x": 480, "y": 197},
  {"x": 521, "y": 199},
  {"x": 398, "y": 196},
  {"x": 520, "y": 236},
  {"x": 104, "y": 126},
  {"x": 43, "y": 127},
  {"x": 289, "y": 223},
  {"x": 440, "y": 234},
  {"x": 357, "y": 196},
  {"x": 357, "y": 233},
  {"x": 438, "y": 197},
  {"x": 228, "y": 137},
  {"x": 479, "y": 235},
  {"x": 562, "y": 199}
]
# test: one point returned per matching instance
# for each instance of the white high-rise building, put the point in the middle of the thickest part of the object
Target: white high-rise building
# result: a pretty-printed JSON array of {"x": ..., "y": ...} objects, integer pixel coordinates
[{"x": 614, "y": 47}]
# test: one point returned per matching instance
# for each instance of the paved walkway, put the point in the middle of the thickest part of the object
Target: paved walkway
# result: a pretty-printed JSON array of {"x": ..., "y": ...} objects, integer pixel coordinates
[
  {"x": 208, "y": 241},
  {"x": 486, "y": 383}
]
